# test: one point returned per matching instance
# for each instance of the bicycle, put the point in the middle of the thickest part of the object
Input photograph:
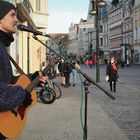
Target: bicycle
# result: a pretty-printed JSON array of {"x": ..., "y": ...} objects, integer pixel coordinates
[
  {"x": 46, "y": 94},
  {"x": 55, "y": 87},
  {"x": 51, "y": 73}
]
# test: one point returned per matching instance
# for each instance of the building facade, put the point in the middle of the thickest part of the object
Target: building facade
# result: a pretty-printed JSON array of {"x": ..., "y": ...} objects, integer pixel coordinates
[
  {"x": 82, "y": 39},
  {"x": 73, "y": 39},
  {"x": 115, "y": 30},
  {"x": 57, "y": 44},
  {"x": 115, "y": 21},
  {"x": 105, "y": 37},
  {"x": 126, "y": 46},
  {"x": 29, "y": 53},
  {"x": 136, "y": 32}
]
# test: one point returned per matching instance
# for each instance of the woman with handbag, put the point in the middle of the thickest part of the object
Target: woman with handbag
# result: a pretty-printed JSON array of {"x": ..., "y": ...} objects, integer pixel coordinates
[{"x": 112, "y": 73}]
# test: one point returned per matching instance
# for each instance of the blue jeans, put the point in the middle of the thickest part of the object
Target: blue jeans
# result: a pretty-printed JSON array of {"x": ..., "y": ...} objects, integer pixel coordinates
[{"x": 73, "y": 76}]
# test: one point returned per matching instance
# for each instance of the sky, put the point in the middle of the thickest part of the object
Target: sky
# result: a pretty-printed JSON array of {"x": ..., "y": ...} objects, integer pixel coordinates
[{"x": 64, "y": 12}]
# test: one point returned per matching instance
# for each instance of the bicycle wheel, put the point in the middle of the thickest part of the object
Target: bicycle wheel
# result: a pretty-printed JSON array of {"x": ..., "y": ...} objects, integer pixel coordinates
[
  {"x": 47, "y": 95},
  {"x": 57, "y": 90}
]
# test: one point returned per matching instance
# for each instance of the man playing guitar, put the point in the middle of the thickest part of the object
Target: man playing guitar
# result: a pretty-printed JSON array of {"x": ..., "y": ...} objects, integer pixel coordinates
[{"x": 11, "y": 96}]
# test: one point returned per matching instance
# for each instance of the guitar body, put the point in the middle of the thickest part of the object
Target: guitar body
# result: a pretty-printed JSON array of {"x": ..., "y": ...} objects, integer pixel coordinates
[{"x": 13, "y": 122}]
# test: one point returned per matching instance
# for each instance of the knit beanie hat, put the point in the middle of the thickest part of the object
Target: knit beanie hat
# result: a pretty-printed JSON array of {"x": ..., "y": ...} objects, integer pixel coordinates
[{"x": 5, "y": 7}]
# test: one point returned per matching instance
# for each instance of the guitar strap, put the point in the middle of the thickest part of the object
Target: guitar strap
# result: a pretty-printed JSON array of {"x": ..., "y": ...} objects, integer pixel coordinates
[
  {"x": 20, "y": 72},
  {"x": 16, "y": 65}
]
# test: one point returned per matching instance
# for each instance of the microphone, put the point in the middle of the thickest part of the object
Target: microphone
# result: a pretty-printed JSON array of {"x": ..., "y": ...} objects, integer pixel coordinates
[{"x": 30, "y": 29}]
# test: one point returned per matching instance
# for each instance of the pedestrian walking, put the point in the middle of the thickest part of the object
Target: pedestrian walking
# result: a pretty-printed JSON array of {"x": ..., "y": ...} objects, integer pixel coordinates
[
  {"x": 73, "y": 74},
  {"x": 68, "y": 70},
  {"x": 61, "y": 68},
  {"x": 90, "y": 62},
  {"x": 112, "y": 73},
  {"x": 87, "y": 62}
]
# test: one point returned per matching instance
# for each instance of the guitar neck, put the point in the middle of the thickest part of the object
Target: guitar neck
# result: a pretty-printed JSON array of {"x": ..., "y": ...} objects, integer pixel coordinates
[{"x": 35, "y": 82}]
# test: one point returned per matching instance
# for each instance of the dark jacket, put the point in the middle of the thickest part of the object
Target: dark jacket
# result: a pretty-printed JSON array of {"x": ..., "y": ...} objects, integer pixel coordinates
[
  {"x": 68, "y": 68},
  {"x": 10, "y": 96},
  {"x": 113, "y": 74},
  {"x": 61, "y": 68}
]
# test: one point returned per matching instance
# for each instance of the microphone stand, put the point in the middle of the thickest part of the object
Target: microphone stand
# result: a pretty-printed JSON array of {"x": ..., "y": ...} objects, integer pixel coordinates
[{"x": 86, "y": 84}]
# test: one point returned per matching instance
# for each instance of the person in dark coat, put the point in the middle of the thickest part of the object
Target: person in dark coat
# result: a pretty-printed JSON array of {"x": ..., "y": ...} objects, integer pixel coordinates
[
  {"x": 61, "y": 68},
  {"x": 68, "y": 70},
  {"x": 10, "y": 96},
  {"x": 112, "y": 73}
]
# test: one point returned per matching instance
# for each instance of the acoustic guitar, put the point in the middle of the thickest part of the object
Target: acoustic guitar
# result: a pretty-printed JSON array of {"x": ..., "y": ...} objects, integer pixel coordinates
[{"x": 12, "y": 122}]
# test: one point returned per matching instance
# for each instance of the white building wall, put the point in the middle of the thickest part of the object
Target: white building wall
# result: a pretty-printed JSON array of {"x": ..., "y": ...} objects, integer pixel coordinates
[{"x": 73, "y": 39}]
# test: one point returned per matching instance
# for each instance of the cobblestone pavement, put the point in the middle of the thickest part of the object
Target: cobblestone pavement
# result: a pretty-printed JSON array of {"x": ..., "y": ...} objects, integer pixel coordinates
[
  {"x": 125, "y": 110},
  {"x": 107, "y": 119},
  {"x": 61, "y": 120}
]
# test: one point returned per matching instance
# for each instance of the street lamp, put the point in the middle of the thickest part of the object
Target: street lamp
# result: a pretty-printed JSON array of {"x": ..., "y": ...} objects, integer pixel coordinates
[{"x": 96, "y": 4}]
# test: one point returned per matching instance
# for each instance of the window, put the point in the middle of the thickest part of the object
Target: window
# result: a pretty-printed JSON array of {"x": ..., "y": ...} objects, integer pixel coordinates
[
  {"x": 101, "y": 28},
  {"x": 38, "y": 6},
  {"x": 127, "y": 27},
  {"x": 123, "y": 39},
  {"x": 136, "y": 14},
  {"x": 136, "y": 34},
  {"x": 130, "y": 40},
  {"x": 123, "y": 27},
  {"x": 101, "y": 41}
]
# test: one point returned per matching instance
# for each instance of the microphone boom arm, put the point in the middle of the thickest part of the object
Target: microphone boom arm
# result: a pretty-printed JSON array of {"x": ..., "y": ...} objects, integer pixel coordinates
[{"x": 78, "y": 70}]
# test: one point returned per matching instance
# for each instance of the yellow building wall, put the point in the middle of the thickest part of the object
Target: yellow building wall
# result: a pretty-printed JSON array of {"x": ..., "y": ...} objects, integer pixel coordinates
[
  {"x": 29, "y": 53},
  {"x": 22, "y": 50},
  {"x": 37, "y": 55},
  {"x": 37, "y": 50},
  {"x": 40, "y": 18}
]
